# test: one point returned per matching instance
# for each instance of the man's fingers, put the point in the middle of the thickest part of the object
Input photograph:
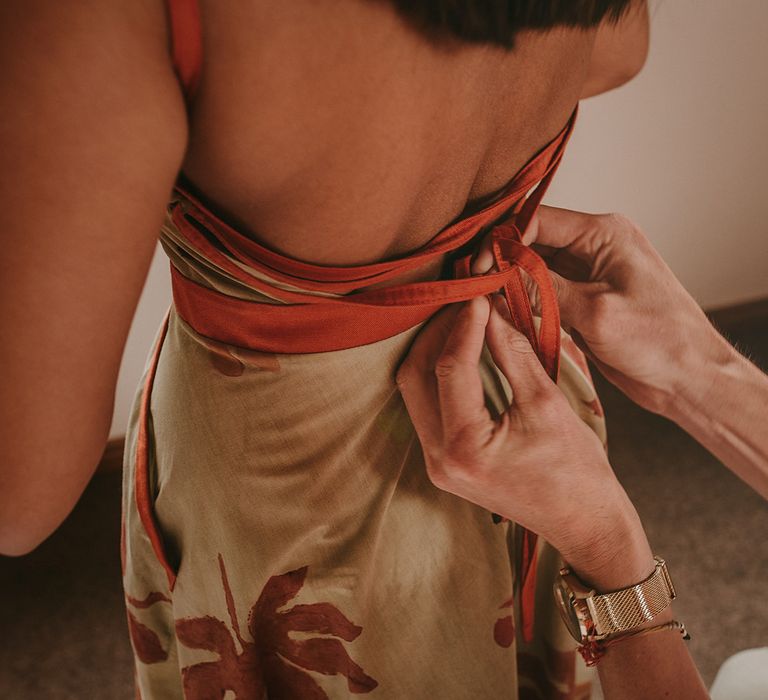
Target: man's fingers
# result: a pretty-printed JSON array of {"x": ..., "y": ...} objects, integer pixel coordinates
[
  {"x": 573, "y": 298},
  {"x": 416, "y": 376},
  {"x": 460, "y": 389},
  {"x": 482, "y": 261},
  {"x": 514, "y": 356},
  {"x": 566, "y": 263},
  {"x": 558, "y": 228}
]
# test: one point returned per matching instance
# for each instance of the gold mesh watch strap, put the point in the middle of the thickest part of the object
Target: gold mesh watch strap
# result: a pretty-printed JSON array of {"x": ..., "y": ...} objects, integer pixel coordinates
[{"x": 630, "y": 607}]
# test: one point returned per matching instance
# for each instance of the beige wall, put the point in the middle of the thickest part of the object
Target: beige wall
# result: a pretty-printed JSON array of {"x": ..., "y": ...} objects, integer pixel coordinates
[
  {"x": 152, "y": 307},
  {"x": 683, "y": 150}
]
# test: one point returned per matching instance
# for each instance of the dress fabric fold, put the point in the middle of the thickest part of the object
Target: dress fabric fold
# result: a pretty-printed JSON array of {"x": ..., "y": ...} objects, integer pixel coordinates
[{"x": 280, "y": 536}]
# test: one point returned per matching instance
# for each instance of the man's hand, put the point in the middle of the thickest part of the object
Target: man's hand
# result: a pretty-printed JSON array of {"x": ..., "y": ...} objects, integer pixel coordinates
[
  {"x": 646, "y": 334},
  {"x": 537, "y": 464},
  {"x": 624, "y": 306}
]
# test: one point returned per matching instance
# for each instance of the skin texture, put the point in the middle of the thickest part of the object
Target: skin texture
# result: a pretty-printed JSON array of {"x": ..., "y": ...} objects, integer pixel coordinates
[
  {"x": 288, "y": 136},
  {"x": 619, "y": 52},
  {"x": 89, "y": 149},
  {"x": 649, "y": 337},
  {"x": 473, "y": 456},
  {"x": 468, "y": 452},
  {"x": 372, "y": 127}
]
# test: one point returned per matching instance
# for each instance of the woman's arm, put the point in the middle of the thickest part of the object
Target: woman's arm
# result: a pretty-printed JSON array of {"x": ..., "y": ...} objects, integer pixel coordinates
[
  {"x": 540, "y": 466},
  {"x": 92, "y": 133},
  {"x": 649, "y": 337},
  {"x": 619, "y": 51}
]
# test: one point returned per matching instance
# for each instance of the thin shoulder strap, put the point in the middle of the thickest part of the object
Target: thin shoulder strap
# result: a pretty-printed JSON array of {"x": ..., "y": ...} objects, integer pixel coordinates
[{"x": 186, "y": 43}]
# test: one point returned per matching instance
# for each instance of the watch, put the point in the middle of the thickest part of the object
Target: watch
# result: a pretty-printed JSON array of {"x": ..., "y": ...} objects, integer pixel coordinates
[{"x": 591, "y": 616}]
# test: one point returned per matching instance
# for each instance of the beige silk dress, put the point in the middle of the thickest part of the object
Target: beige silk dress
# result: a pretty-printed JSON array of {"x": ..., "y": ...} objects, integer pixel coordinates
[{"x": 281, "y": 538}]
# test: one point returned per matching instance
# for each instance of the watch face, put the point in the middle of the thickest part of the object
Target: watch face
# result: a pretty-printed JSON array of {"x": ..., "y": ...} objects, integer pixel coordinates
[{"x": 567, "y": 612}]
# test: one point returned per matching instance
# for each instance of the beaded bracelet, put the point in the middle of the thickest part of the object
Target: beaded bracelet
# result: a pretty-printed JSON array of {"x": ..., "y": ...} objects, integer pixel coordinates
[{"x": 593, "y": 650}]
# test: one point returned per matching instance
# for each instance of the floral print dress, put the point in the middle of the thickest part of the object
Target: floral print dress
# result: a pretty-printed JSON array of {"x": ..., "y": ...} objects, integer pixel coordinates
[{"x": 281, "y": 538}]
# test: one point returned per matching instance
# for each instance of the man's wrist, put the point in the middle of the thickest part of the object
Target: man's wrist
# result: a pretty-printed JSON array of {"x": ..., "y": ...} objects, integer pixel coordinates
[
  {"x": 615, "y": 554},
  {"x": 628, "y": 564}
]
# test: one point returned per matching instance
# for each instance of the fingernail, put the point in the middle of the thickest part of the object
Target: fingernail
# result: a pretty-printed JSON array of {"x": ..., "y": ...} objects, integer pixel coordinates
[
  {"x": 475, "y": 311},
  {"x": 477, "y": 306},
  {"x": 482, "y": 263}
]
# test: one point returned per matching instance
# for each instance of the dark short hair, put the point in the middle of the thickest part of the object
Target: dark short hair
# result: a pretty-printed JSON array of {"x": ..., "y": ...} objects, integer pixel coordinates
[{"x": 498, "y": 21}]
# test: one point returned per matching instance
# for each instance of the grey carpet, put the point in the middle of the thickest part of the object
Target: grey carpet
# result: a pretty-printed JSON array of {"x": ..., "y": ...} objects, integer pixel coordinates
[
  {"x": 62, "y": 626},
  {"x": 710, "y": 527}
]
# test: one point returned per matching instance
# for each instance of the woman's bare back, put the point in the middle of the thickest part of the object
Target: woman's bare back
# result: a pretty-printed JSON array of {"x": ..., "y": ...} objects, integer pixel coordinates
[
  {"x": 331, "y": 132},
  {"x": 335, "y": 133}
]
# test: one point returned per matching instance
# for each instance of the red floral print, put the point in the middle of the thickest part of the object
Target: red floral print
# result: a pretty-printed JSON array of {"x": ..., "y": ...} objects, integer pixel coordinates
[
  {"x": 150, "y": 600},
  {"x": 273, "y": 663},
  {"x": 231, "y": 361},
  {"x": 504, "y": 629},
  {"x": 145, "y": 642},
  {"x": 270, "y": 666}
]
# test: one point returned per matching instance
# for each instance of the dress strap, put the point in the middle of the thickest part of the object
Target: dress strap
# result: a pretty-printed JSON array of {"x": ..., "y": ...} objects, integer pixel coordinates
[{"x": 186, "y": 43}]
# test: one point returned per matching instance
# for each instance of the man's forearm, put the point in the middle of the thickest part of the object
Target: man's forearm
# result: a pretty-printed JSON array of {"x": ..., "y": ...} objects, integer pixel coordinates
[
  {"x": 723, "y": 404},
  {"x": 654, "y": 666},
  {"x": 657, "y": 665}
]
